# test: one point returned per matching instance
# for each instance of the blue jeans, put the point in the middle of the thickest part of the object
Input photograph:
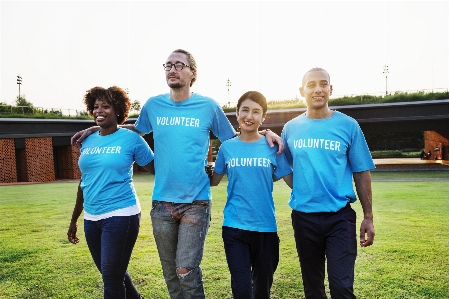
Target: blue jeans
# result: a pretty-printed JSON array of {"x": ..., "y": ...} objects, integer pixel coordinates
[
  {"x": 111, "y": 242},
  {"x": 331, "y": 236},
  {"x": 252, "y": 260},
  {"x": 180, "y": 232}
]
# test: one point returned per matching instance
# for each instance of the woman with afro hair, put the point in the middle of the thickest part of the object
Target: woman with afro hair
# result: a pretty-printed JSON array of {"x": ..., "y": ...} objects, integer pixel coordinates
[{"x": 106, "y": 192}]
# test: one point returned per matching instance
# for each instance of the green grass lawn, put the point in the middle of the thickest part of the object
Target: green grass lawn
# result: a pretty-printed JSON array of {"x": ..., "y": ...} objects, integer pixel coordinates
[{"x": 408, "y": 259}]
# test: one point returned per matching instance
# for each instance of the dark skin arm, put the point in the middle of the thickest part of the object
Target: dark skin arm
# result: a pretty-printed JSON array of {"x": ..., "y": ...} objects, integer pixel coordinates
[
  {"x": 288, "y": 179},
  {"x": 150, "y": 167},
  {"x": 215, "y": 179},
  {"x": 362, "y": 182},
  {"x": 273, "y": 138},
  {"x": 78, "y": 138},
  {"x": 73, "y": 227}
]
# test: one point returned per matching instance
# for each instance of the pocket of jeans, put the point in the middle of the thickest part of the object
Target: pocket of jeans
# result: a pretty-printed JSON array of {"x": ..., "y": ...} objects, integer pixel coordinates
[
  {"x": 204, "y": 204},
  {"x": 154, "y": 203}
]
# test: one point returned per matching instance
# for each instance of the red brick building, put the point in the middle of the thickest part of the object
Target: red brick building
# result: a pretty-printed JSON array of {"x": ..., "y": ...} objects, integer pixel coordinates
[{"x": 39, "y": 150}]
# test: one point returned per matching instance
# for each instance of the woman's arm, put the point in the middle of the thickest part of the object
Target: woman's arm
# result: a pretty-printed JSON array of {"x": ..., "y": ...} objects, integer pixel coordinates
[
  {"x": 215, "y": 179},
  {"x": 73, "y": 227}
]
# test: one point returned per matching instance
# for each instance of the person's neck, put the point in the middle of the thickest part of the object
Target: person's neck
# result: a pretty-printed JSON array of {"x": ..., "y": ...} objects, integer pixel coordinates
[
  {"x": 250, "y": 136},
  {"x": 321, "y": 113},
  {"x": 180, "y": 94},
  {"x": 108, "y": 131}
]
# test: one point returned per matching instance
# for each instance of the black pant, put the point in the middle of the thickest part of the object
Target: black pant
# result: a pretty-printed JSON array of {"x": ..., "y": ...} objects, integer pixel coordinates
[
  {"x": 252, "y": 260},
  {"x": 331, "y": 236}
]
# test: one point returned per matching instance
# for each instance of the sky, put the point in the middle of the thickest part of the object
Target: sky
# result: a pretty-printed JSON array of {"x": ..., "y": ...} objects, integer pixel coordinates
[{"x": 63, "y": 48}]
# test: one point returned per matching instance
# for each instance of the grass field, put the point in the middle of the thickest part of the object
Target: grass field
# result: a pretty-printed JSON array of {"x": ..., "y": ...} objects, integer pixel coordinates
[{"x": 408, "y": 260}]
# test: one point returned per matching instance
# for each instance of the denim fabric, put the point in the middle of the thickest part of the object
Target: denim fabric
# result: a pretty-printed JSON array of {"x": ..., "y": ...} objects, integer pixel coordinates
[
  {"x": 111, "y": 242},
  {"x": 252, "y": 260},
  {"x": 180, "y": 231},
  {"x": 331, "y": 236}
]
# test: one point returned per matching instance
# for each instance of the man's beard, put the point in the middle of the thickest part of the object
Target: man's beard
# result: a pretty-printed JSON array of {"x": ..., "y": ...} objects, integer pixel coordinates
[{"x": 175, "y": 85}]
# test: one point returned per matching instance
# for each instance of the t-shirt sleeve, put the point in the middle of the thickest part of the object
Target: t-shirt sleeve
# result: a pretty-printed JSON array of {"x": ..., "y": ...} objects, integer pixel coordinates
[
  {"x": 143, "y": 153},
  {"x": 359, "y": 155},
  {"x": 220, "y": 166},
  {"x": 286, "y": 151},
  {"x": 282, "y": 166},
  {"x": 221, "y": 127},
  {"x": 143, "y": 123}
]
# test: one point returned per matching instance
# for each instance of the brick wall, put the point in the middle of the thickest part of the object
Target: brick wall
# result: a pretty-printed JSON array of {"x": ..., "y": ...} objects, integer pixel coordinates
[
  {"x": 8, "y": 171},
  {"x": 68, "y": 162},
  {"x": 439, "y": 139},
  {"x": 35, "y": 162}
]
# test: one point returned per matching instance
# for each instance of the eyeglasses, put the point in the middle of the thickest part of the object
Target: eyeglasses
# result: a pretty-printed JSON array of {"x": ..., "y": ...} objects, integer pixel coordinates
[{"x": 178, "y": 66}]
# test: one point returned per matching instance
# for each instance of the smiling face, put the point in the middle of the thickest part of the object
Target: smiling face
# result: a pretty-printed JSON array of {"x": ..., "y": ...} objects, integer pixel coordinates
[
  {"x": 182, "y": 78},
  {"x": 316, "y": 89},
  {"x": 250, "y": 116},
  {"x": 104, "y": 114}
]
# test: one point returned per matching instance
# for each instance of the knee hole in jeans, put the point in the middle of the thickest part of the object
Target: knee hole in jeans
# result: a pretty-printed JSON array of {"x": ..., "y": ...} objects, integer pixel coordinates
[{"x": 183, "y": 272}]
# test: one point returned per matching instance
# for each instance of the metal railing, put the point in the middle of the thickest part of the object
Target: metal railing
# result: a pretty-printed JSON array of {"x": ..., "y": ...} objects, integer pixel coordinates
[{"x": 31, "y": 110}]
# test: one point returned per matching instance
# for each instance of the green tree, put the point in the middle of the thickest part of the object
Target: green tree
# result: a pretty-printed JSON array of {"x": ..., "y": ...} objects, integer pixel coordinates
[
  {"x": 4, "y": 108},
  {"x": 136, "y": 105},
  {"x": 23, "y": 106},
  {"x": 21, "y": 101}
]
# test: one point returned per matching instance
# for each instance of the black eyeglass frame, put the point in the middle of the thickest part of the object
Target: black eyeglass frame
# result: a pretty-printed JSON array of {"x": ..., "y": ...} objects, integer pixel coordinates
[{"x": 179, "y": 65}]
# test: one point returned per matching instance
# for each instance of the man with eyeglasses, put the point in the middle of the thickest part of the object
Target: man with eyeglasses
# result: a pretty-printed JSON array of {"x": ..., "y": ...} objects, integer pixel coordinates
[{"x": 181, "y": 122}]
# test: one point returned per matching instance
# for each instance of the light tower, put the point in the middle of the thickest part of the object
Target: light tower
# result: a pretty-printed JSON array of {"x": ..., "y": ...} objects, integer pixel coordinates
[
  {"x": 19, "y": 82},
  {"x": 228, "y": 84},
  {"x": 386, "y": 79}
]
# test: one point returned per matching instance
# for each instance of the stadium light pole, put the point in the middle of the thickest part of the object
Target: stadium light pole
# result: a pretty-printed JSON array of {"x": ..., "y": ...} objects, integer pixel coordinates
[
  {"x": 228, "y": 84},
  {"x": 386, "y": 79},
  {"x": 19, "y": 82}
]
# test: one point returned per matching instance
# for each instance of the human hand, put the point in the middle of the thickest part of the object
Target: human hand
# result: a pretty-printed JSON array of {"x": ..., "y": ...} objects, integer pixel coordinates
[
  {"x": 367, "y": 233},
  {"x": 209, "y": 170},
  {"x": 71, "y": 233},
  {"x": 78, "y": 138},
  {"x": 272, "y": 138}
]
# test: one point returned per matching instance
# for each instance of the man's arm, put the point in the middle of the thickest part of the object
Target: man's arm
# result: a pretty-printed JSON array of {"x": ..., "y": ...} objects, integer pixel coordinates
[
  {"x": 362, "y": 182},
  {"x": 272, "y": 138},
  {"x": 150, "y": 167},
  {"x": 288, "y": 179},
  {"x": 78, "y": 138}
]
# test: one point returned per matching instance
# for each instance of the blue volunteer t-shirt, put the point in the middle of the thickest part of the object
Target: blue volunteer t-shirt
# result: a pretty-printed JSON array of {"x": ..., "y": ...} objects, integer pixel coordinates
[
  {"x": 181, "y": 132},
  {"x": 250, "y": 168},
  {"x": 324, "y": 153},
  {"x": 106, "y": 170}
]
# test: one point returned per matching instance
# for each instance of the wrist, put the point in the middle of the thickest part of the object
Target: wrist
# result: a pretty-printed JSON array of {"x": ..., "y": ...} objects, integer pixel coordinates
[
  {"x": 264, "y": 132},
  {"x": 368, "y": 216}
]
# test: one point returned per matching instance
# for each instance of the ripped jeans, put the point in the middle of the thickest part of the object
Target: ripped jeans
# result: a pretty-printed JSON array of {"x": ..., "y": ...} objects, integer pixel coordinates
[{"x": 180, "y": 232}]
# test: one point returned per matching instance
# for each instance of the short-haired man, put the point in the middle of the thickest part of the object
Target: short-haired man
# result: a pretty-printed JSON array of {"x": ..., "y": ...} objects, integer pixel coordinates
[{"x": 327, "y": 150}]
